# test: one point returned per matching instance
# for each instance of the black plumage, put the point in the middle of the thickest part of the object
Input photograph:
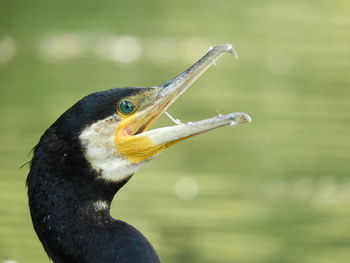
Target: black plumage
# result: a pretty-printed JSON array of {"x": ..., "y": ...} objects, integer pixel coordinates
[
  {"x": 91, "y": 151},
  {"x": 63, "y": 191}
]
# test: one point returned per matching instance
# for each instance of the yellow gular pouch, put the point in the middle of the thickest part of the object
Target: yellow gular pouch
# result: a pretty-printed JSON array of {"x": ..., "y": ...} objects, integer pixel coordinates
[
  {"x": 136, "y": 148},
  {"x": 139, "y": 149}
]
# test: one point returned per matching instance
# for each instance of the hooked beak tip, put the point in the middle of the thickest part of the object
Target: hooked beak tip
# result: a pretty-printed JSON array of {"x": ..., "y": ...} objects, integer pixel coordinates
[
  {"x": 226, "y": 48},
  {"x": 233, "y": 51},
  {"x": 239, "y": 118},
  {"x": 247, "y": 118}
]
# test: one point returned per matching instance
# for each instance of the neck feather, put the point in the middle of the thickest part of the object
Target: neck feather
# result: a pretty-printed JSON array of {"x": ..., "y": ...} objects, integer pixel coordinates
[{"x": 68, "y": 201}]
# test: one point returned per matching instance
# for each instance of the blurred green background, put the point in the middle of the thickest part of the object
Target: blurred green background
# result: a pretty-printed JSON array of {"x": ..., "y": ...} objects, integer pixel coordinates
[{"x": 276, "y": 190}]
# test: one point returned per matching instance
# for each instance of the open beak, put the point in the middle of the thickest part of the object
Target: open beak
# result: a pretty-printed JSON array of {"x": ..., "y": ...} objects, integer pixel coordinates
[{"x": 141, "y": 145}]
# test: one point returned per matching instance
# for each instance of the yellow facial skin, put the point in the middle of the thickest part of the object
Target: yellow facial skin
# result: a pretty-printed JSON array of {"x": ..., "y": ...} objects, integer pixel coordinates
[{"x": 139, "y": 148}]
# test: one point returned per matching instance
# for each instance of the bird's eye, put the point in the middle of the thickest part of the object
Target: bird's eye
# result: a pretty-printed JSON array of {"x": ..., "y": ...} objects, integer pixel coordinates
[{"x": 126, "y": 107}]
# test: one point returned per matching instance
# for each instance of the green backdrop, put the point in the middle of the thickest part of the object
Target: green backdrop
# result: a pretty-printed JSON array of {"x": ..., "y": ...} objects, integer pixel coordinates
[{"x": 275, "y": 191}]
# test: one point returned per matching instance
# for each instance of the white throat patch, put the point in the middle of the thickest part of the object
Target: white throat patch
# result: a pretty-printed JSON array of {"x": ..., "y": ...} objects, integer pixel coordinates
[{"x": 98, "y": 142}]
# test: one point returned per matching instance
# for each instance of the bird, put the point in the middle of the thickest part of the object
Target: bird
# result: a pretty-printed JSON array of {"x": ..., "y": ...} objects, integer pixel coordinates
[{"x": 91, "y": 151}]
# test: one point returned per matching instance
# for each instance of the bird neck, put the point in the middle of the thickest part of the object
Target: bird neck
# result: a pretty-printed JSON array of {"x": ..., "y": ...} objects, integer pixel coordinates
[{"x": 68, "y": 202}]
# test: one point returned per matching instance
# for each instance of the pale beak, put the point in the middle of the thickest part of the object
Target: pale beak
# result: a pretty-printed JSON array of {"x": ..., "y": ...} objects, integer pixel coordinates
[{"x": 150, "y": 143}]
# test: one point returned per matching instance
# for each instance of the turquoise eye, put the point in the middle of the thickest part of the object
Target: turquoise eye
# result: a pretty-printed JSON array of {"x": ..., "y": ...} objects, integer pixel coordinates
[{"x": 126, "y": 107}]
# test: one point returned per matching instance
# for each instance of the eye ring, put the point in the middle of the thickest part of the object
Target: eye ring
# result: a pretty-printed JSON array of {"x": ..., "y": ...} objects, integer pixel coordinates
[{"x": 127, "y": 107}]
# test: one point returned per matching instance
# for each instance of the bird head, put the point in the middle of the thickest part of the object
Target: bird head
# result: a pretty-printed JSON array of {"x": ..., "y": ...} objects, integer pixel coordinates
[{"x": 113, "y": 126}]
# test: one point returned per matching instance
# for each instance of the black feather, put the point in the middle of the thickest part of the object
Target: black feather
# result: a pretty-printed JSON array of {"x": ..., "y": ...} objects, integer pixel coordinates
[{"x": 63, "y": 188}]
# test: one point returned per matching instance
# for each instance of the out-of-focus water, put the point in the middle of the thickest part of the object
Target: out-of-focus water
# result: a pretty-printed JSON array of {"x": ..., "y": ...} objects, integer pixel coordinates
[{"x": 276, "y": 190}]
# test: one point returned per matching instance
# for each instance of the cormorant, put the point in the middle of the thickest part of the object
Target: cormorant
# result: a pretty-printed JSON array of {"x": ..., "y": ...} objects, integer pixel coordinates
[{"x": 90, "y": 152}]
